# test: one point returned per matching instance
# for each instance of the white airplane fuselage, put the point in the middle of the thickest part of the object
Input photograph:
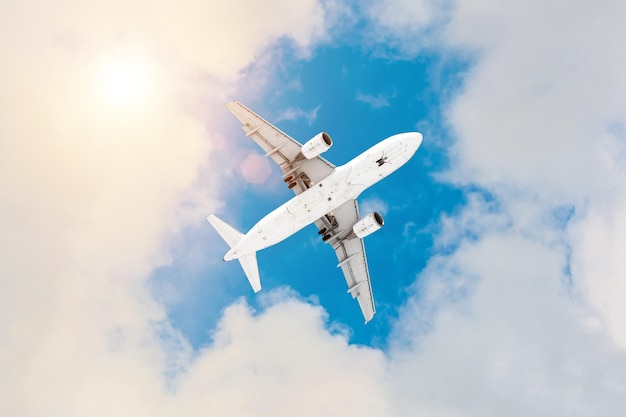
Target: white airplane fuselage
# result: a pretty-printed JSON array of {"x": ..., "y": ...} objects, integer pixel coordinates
[{"x": 345, "y": 183}]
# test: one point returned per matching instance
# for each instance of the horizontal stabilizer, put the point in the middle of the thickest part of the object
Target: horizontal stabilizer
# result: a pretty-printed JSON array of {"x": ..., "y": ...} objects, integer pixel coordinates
[
  {"x": 248, "y": 262},
  {"x": 228, "y": 233},
  {"x": 251, "y": 268}
]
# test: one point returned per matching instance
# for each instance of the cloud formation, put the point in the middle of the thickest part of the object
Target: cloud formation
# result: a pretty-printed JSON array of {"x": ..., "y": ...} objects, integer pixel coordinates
[
  {"x": 94, "y": 184},
  {"x": 520, "y": 315},
  {"x": 298, "y": 113},
  {"x": 527, "y": 308},
  {"x": 374, "y": 101},
  {"x": 536, "y": 124},
  {"x": 539, "y": 124}
]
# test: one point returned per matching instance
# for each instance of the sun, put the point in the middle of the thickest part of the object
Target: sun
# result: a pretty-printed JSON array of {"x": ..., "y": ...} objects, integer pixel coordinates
[{"x": 125, "y": 81}]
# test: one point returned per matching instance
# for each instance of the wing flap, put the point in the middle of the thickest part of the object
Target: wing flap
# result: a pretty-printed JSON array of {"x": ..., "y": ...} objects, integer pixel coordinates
[
  {"x": 356, "y": 273},
  {"x": 298, "y": 171}
]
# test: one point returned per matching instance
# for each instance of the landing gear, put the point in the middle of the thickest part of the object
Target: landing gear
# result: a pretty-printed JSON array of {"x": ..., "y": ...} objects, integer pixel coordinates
[
  {"x": 322, "y": 231},
  {"x": 382, "y": 160},
  {"x": 293, "y": 184},
  {"x": 325, "y": 238},
  {"x": 288, "y": 179}
]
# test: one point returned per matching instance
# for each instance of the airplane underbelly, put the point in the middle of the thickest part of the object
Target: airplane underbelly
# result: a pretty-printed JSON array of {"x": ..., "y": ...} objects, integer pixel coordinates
[{"x": 292, "y": 216}]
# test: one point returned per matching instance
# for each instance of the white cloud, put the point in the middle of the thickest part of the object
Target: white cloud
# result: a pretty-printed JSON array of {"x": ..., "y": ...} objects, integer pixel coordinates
[
  {"x": 491, "y": 329},
  {"x": 539, "y": 123},
  {"x": 599, "y": 240},
  {"x": 477, "y": 218},
  {"x": 375, "y": 102},
  {"x": 295, "y": 113},
  {"x": 528, "y": 304},
  {"x": 93, "y": 184},
  {"x": 409, "y": 25},
  {"x": 372, "y": 204},
  {"x": 281, "y": 362},
  {"x": 535, "y": 125}
]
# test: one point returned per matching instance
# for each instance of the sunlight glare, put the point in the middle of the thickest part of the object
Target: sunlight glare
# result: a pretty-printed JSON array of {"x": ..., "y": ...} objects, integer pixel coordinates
[{"x": 125, "y": 81}]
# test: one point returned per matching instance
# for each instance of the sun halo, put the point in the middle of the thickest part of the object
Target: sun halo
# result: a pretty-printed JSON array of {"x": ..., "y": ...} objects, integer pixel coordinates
[{"x": 125, "y": 81}]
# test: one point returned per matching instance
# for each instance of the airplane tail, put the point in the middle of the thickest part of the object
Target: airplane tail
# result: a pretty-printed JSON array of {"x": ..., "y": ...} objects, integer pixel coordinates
[{"x": 232, "y": 237}]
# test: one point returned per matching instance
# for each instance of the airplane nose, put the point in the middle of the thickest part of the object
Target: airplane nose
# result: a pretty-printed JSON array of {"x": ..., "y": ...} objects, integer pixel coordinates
[{"x": 411, "y": 140}]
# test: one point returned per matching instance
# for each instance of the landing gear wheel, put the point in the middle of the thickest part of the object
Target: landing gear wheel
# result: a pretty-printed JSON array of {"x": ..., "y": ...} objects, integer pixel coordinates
[
  {"x": 288, "y": 179},
  {"x": 325, "y": 238},
  {"x": 293, "y": 184},
  {"x": 322, "y": 231}
]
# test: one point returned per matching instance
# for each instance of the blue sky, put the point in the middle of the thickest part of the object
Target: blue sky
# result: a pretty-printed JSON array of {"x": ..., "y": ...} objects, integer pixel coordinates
[{"x": 498, "y": 277}]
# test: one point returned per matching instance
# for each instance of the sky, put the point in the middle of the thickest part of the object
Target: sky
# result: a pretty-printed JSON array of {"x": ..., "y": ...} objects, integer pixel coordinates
[{"x": 498, "y": 277}]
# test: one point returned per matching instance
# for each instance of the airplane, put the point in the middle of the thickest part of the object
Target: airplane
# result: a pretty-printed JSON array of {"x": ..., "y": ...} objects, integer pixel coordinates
[{"x": 325, "y": 195}]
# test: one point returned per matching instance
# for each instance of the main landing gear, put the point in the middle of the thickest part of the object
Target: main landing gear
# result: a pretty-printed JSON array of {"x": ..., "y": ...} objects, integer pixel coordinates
[
  {"x": 331, "y": 225},
  {"x": 323, "y": 232},
  {"x": 291, "y": 180}
]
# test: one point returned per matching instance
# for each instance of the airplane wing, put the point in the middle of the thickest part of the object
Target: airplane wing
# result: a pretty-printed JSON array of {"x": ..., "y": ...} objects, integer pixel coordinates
[
  {"x": 350, "y": 252},
  {"x": 298, "y": 172}
]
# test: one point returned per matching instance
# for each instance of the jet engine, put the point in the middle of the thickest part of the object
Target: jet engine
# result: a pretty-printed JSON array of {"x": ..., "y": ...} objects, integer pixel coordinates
[
  {"x": 316, "y": 146},
  {"x": 368, "y": 225}
]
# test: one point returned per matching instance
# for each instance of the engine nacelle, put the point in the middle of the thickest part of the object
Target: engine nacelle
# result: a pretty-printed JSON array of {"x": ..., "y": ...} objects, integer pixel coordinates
[
  {"x": 316, "y": 146},
  {"x": 368, "y": 225}
]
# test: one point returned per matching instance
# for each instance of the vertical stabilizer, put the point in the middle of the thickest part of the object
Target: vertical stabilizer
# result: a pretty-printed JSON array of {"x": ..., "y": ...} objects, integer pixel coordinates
[{"x": 248, "y": 262}]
